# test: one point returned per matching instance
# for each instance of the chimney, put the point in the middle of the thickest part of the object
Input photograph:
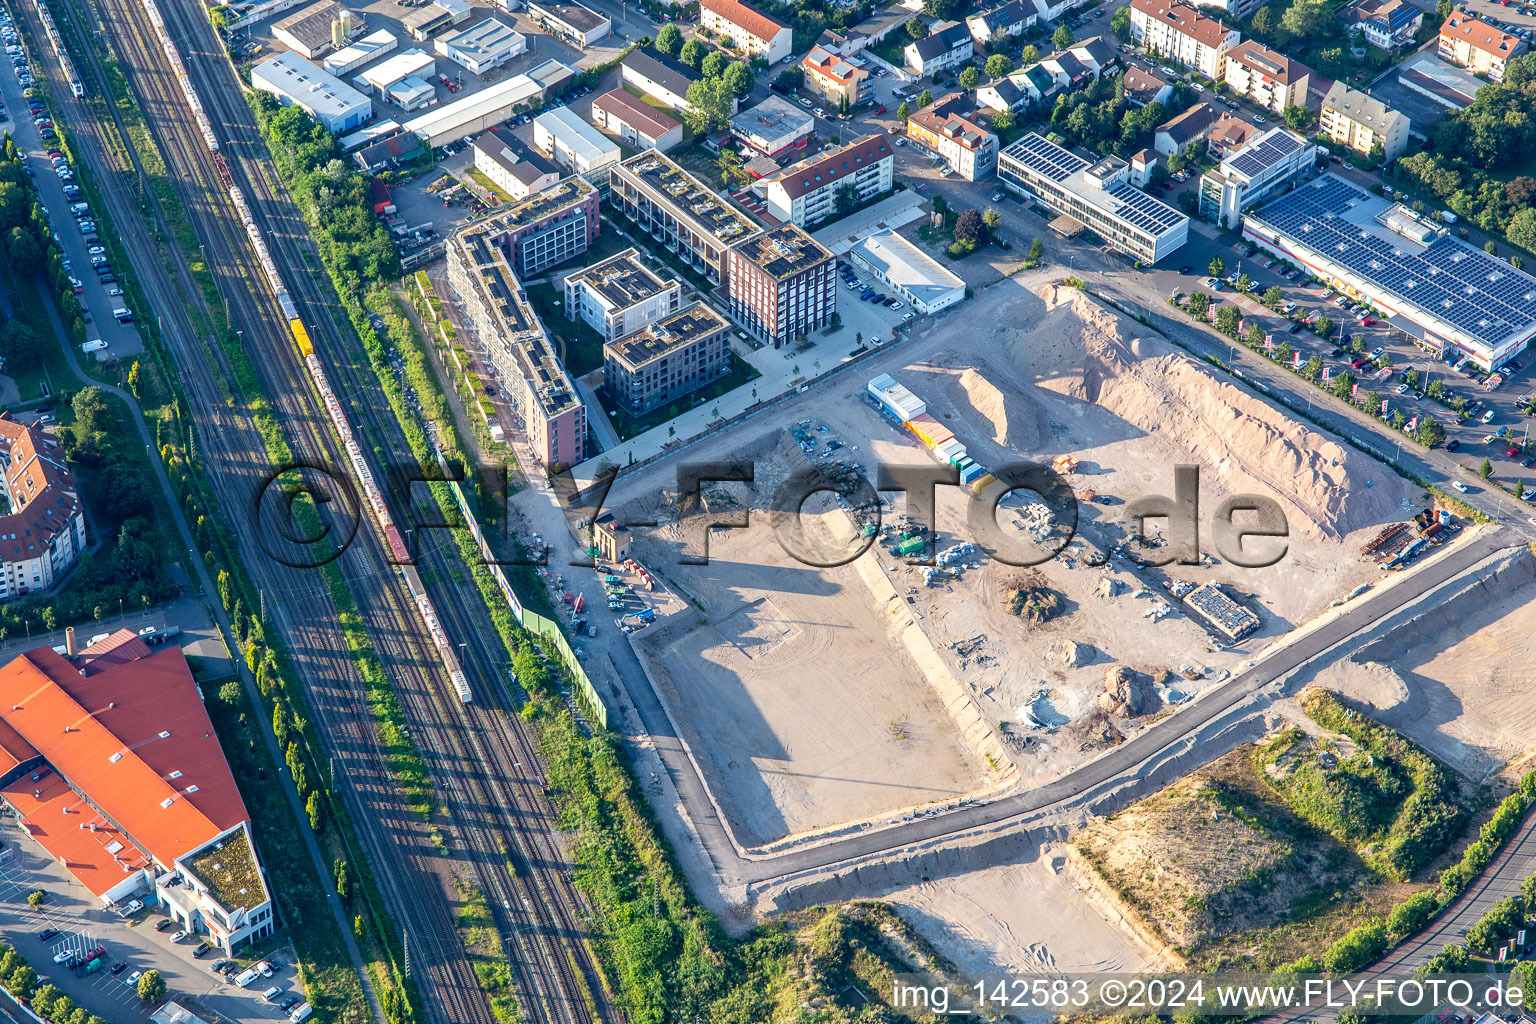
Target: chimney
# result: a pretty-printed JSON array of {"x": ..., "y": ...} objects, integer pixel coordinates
[{"x": 70, "y": 647}]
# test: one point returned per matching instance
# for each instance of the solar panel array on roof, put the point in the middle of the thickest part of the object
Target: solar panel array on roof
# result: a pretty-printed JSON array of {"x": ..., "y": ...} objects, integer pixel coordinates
[
  {"x": 1266, "y": 154},
  {"x": 1476, "y": 293},
  {"x": 1047, "y": 158},
  {"x": 1140, "y": 210}
]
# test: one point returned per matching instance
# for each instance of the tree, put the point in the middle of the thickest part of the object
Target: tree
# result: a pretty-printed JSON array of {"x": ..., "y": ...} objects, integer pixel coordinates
[
  {"x": 1343, "y": 385},
  {"x": 729, "y": 162},
  {"x": 1002, "y": 121},
  {"x": 1228, "y": 320},
  {"x": 1322, "y": 326},
  {"x": 1062, "y": 37},
  {"x": 92, "y": 414},
  {"x": 693, "y": 53},
  {"x": 709, "y": 105},
  {"x": 969, "y": 227},
  {"x": 1355, "y": 949},
  {"x": 1199, "y": 305},
  {"x": 312, "y": 808},
  {"x": 1412, "y": 914},
  {"x": 1263, "y": 21},
  {"x": 1523, "y": 976},
  {"x": 1312, "y": 369},
  {"x": 35, "y": 898},
  {"x": 669, "y": 40},
  {"x": 924, "y": 98},
  {"x": 1029, "y": 55},
  {"x": 1216, "y": 266},
  {"x": 231, "y": 693},
  {"x": 135, "y": 378},
  {"x": 991, "y": 218},
  {"x": 1120, "y": 23},
  {"x": 1429, "y": 432},
  {"x": 22, "y": 249},
  {"x": 280, "y": 725},
  {"x": 713, "y": 65},
  {"x": 1244, "y": 283},
  {"x": 22, "y": 981},
  {"x": 917, "y": 29},
  {"x": 903, "y": 112},
  {"x": 125, "y": 493},
  {"x": 738, "y": 78},
  {"x": 791, "y": 78},
  {"x": 1036, "y": 250},
  {"x": 998, "y": 65},
  {"x": 969, "y": 77},
  {"x": 19, "y": 346},
  {"x": 341, "y": 878},
  {"x": 151, "y": 986},
  {"x": 1304, "y": 18},
  {"x": 1282, "y": 353},
  {"x": 1297, "y": 118},
  {"x": 1485, "y": 471},
  {"x": 847, "y": 199},
  {"x": 1255, "y": 336}
]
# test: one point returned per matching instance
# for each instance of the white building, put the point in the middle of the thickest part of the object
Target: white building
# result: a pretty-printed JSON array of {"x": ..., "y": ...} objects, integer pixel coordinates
[
  {"x": 908, "y": 271},
  {"x": 620, "y": 295},
  {"x": 580, "y": 26},
  {"x": 573, "y": 142},
  {"x": 1010, "y": 20},
  {"x": 944, "y": 47},
  {"x": 636, "y": 122},
  {"x": 1363, "y": 122},
  {"x": 386, "y": 74},
  {"x": 959, "y": 137},
  {"x": 754, "y": 33},
  {"x": 482, "y": 47},
  {"x": 1255, "y": 173},
  {"x": 516, "y": 170},
  {"x": 1451, "y": 297},
  {"x": 297, "y": 82},
  {"x": 370, "y": 47},
  {"x": 658, "y": 76},
  {"x": 806, "y": 193},
  {"x": 1096, "y": 196},
  {"x": 1180, "y": 33},
  {"x": 1270, "y": 79},
  {"x": 1388, "y": 24},
  {"x": 773, "y": 126},
  {"x": 472, "y": 114},
  {"x": 45, "y": 523}
]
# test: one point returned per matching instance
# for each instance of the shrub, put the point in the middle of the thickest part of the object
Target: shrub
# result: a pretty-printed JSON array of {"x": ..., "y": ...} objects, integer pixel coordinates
[
  {"x": 1412, "y": 914},
  {"x": 1356, "y": 949}
]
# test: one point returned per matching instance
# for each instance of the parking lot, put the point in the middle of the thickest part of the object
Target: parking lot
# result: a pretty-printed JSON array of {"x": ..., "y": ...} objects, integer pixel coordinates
[{"x": 81, "y": 923}]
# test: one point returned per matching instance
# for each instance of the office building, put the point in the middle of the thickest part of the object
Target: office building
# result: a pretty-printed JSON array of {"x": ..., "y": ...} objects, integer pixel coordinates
[
  {"x": 353, "y": 56},
  {"x": 491, "y": 296},
  {"x": 108, "y": 761},
  {"x": 773, "y": 127},
  {"x": 620, "y": 295},
  {"x": 42, "y": 533},
  {"x": 678, "y": 210},
  {"x": 667, "y": 360},
  {"x": 1094, "y": 196},
  {"x": 833, "y": 77},
  {"x": 636, "y": 123},
  {"x": 1363, "y": 122},
  {"x": 950, "y": 129},
  {"x": 945, "y": 47},
  {"x": 1388, "y": 24},
  {"x": 906, "y": 270},
  {"x": 422, "y": 24},
  {"x": 658, "y": 76},
  {"x": 580, "y": 26},
  {"x": 808, "y": 192},
  {"x": 1008, "y": 21},
  {"x": 482, "y": 47},
  {"x": 1452, "y": 298},
  {"x": 1270, "y": 79},
  {"x": 781, "y": 284},
  {"x": 474, "y": 113},
  {"x": 326, "y": 98},
  {"x": 1178, "y": 32},
  {"x": 753, "y": 32},
  {"x": 1254, "y": 173},
  {"x": 317, "y": 29},
  {"x": 548, "y": 228},
  {"x": 511, "y": 166},
  {"x": 1478, "y": 46},
  {"x": 572, "y": 142}
]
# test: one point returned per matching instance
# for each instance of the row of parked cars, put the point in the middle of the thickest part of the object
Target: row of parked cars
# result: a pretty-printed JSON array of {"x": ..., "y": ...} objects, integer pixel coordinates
[
  {"x": 294, "y": 1006},
  {"x": 854, "y": 283}
]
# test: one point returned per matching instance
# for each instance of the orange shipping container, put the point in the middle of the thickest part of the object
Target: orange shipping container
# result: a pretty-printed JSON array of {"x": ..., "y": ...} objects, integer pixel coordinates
[{"x": 929, "y": 430}]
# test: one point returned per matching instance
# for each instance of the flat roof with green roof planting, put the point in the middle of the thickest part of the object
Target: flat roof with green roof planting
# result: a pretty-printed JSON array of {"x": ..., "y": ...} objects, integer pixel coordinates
[
  {"x": 690, "y": 197},
  {"x": 783, "y": 252}
]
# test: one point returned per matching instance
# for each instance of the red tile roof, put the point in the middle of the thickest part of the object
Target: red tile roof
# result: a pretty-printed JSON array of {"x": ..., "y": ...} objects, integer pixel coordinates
[
  {"x": 755, "y": 22},
  {"x": 114, "y": 649},
  {"x": 824, "y": 62},
  {"x": 1183, "y": 19},
  {"x": 1480, "y": 35},
  {"x": 1260, "y": 58},
  {"x": 809, "y": 175},
  {"x": 134, "y": 738},
  {"x": 43, "y": 494}
]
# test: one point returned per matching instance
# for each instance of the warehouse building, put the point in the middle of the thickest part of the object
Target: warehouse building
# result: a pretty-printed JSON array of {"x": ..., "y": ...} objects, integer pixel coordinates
[
  {"x": 781, "y": 284},
  {"x": 297, "y": 82},
  {"x": 580, "y": 26},
  {"x": 511, "y": 166},
  {"x": 773, "y": 127},
  {"x": 472, "y": 114},
  {"x": 908, "y": 271},
  {"x": 1094, "y": 196},
  {"x": 572, "y": 142},
  {"x": 487, "y": 288},
  {"x": 482, "y": 47},
  {"x": 109, "y": 762},
  {"x": 42, "y": 534},
  {"x": 317, "y": 29},
  {"x": 1258, "y": 171},
  {"x": 353, "y": 56},
  {"x": 435, "y": 16},
  {"x": 1449, "y": 296},
  {"x": 636, "y": 122},
  {"x": 658, "y": 76},
  {"x": 807, "y": 192},
  {"x": 666, "y": 361},
  {"x": 620, "y": 295},
  {"x": 678, "y": 210},
  {"x": 383, "y": 76}
]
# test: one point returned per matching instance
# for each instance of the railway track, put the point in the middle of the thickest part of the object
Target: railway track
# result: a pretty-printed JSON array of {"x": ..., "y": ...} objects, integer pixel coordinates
[{"x": 543, "y": 920}]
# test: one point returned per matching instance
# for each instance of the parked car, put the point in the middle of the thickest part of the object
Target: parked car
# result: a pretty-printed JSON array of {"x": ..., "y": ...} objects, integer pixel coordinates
[
  {"x": 47, "y": 934},
  {"x": 119, "y": 967},
  {"x": 179, "y": 935},
  {"x": 133, "y": 979},
  {"x": 164, "y": 925}
]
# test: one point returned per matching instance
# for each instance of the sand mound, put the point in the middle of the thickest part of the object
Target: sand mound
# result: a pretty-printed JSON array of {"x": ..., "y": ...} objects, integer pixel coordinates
[{"x": 989, "y": 402}]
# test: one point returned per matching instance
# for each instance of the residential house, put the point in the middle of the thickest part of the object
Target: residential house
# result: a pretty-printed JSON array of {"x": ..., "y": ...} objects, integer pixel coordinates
[
  {"x": 1008, "y": 21},
  {"x": 1229, "y": 134},
  {"x": 1178, "y": 32},
  {"x": 835, "y": 78},
  {"x": 951, "y": 129},
  {"x": 806, "y": 193},
  {"x": 1143, "y": 163},
  {"x": 1191, "y": 126},
  {"x": 1270, "y": 79},
  {"x": 753, "y": 32},
  {"x": 1143, "y": 87},
  {"x": 1362, "y": 122},
  {"x": 1388, "y": 24},
  {"x": 1478, "y": 46},
  {"x": 945, "y": 47}
]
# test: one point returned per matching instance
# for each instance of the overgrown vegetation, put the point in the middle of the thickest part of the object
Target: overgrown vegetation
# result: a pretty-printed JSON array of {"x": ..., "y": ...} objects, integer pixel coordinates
[{"x": 20, "y": 980}]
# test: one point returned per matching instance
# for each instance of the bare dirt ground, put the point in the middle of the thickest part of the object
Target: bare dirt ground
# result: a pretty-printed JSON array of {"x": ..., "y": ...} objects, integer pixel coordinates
[{"x": 1458, "y": 680}]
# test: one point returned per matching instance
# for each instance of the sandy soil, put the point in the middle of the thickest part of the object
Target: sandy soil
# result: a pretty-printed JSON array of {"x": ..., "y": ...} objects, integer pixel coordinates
[{"x": 1027, "y": 917}]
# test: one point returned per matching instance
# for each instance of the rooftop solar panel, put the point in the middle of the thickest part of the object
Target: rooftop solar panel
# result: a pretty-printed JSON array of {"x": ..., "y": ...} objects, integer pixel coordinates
[{"x": 1270, "y": 151}]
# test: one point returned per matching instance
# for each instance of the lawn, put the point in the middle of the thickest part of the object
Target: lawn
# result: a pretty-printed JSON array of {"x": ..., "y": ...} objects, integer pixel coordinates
[
  {"x": 490, "y": 186},
  {"x": 579, "y": 346},
  {"x": 52, "y": 374}
]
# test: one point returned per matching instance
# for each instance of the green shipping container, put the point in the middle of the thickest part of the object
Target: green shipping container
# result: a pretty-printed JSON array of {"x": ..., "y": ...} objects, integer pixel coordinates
[{"x": 910, "y": 546}]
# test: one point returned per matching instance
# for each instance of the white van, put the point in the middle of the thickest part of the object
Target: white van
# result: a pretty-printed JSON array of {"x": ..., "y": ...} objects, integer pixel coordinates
[
  {"x": 246, "y": 977},
  {"x": 300, "y": 1013}
]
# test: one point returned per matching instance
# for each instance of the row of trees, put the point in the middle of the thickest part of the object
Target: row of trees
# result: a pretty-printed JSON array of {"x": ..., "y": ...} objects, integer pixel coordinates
[
  {"x": 48, "y": 1002},
  {"x": 27, "y": 247}
]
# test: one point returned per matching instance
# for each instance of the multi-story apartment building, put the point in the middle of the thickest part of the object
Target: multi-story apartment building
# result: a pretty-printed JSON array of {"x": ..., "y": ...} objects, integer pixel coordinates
[
  {"x": 807, "y": 192},
  {"x": 1270, "y": 79},
  {"x": 754, "y": 33},
  {"x": 620, "y": 295},
  {"x": 43, "y": 533},
  {"x": 944, "y": 47},
  {"x": 109, "y": 762},
  {"x": 1096, "y": 196},
  {"x": 833, "y": 77},
  {"x": 1256, "y": 172},
  {"x": 1388, "y": 24},
  {"x": 781, "y": 284},
  {"x": 950, "y": 129},
  {"x": 492, "y": 299},
  {"x": 1478, "y": 46},
  {"x": 667, "y": 360},
  {"x": 515, "y": 169},
  {"x": 679, "y": 211},
  {"x": 547, "y": 228},
  {"x": 1179, "y": 32},
  {"x": 1363, "y": 122}
]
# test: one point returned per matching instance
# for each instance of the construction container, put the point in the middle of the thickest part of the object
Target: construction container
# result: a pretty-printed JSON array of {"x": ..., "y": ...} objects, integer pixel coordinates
[
  {"x": 982, "y": 482},
  {"x": 910, "y": 546},
  {"x": 969, "y": 474},
  {"x": 894, "y": 399},
  {"x": 930, "y": 431},
  {"x": 951, "y": 452}
]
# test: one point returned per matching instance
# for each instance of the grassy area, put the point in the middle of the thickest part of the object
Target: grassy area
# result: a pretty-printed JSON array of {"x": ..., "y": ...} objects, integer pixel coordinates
[
  {"x": 43, "y": 382},
  {"x": 477, "y": 930},
  {"x": 579, "y": 346},
  {"x": 627, "y": 426},
  {"x": 481, "y": 179}
]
